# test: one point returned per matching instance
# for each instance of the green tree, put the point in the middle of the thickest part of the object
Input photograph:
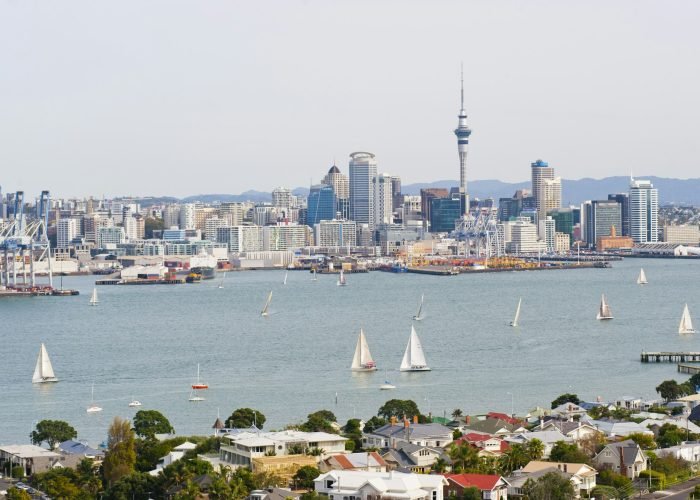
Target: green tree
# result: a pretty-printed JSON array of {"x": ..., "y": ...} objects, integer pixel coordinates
[
  {"x": 17, "y": 494},
  {"x": 565, "y": 398},
  {"x": 645, "y": 441},
  {"x": 513, "y": 458},
  {"x": 471, "y": 493},
  {"x": 534, "y": 449},
  {"x": 352, "y": 431},
  {"x": 456, "y": 413},
  {"x": 613, "y": 479},
  {"x": 440, "y": 465},
  {"x": 120, "y": 457},
  {"x": 374, "y": 423},
  {"x": 151, "y": 224},
  {"x": 399, "y": 408},
  {"x": 53, "y": 432},
  {"x": 319, "y": 421},
  {"x": 465, "y": 458},
  {"x": 604, "y": 492},
  {"x": 246, "y": 417},
  {"x": 567, "y": 452},
  {"x": 551, "y": 486},
  {"x": 669, "y": 390},
  {"x": 148, "y": 423},
  {"x": 304, "y": 477}
]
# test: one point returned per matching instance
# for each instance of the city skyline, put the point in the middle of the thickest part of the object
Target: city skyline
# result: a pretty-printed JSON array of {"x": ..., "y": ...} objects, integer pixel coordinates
[{"x": 92, "y": 111}]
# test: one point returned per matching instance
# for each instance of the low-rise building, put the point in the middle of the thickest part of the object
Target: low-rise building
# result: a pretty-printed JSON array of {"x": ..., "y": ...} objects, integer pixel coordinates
[
  {"x": 624, "y": 457},
  {"x": 393, "y": 434},
  {"x": 31, "y": 458},
  {"x": 370, "y": 462},
  {"x": 491, "y": 487},
  {"x": 548, "y": 438},
  {"x": 72, "y": 452},
  {"x": 407, "y": 457},
  {"x": 360, "y": 485}
]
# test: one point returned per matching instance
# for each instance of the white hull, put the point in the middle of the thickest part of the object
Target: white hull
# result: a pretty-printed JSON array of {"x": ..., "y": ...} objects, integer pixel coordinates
[
  {"x": 386, "y": 387},
  {"x": 134, "y": 403},
  {"x": 43, "y": 371},
  {"x": 47, "y": 380},
  {"x": 373, "y": 369},
  {"x": 416, "y": 369},
  {"x": 94, "y": 409},
  {"x": 603, "y": 318}
]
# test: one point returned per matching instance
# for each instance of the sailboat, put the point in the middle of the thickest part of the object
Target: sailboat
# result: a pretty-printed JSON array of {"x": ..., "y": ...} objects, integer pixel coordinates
[
  {"x": 686, "y": 325},
  {"x": 517, "y": 313},
  {"x": 419, "y": 314},
  {"x": 266, "y": 307},
  {"x": 313, "y": 277},
  {"x": 197, "y": 386},
  {"x": 221, "y": 285},
  {"x": 341, "y": 279},
  {"x": 604, "y": 311},
  {"x": 362, "y": 361},
  {"x": 286, "y": 273},
  {"x": 414, "y": 357},
  {"x": 134, "y": 403},
  {"x": 642, "y": 278},
  {"x": 386, "y": 386},
  {"x": 93, "y": 408},
  {"x": 93, "y": 298},
  {"x": 43, "y": 372}
]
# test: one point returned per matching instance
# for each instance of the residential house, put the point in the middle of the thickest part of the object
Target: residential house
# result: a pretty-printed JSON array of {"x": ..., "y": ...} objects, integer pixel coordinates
[
  {"x": 488, "y": 446},
  {"x": 492, "y": 487},
  {"x": 31, "y": 458},
  {"x": 567, "y": 411},
  {"x": 239, "y": 448},
  {"x": 361, "y": 485},
  {"x": 689, "y": 451},
  {"x": 491, "y": 426},
  {"x": 393, "y": 434},
  {"x": 624, "y": 457},
  {"x": 285, "y": 466},
  {"x": 273, "y": 494},
  {"x": 72, "y": 452},
  {"x": 614, "y": 429},
  {"x": 408, "y": 457},
  {"x": 517, "y": 481},
  {"x": 630, "y": 403},
  {"x": 548, "y": 439},
  {"x": 371, "y": 462},
  {"x": 175, "y": 454},
  {"x": 682, "y": 423},
  {"x": 583, "y": 475},
  {"x": 578, "y": 431}
]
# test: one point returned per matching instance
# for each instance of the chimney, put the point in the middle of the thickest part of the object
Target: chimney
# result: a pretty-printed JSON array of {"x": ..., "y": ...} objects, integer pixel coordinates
[
  {"x": 392, "y": 420},
  {"x": 541, "y": 423},
  {"x": 415, "y": 419},
  {"x": 406, "y": 423},
  {"x": 467, "y": 419},
  {"x": 407, "y": 430}
]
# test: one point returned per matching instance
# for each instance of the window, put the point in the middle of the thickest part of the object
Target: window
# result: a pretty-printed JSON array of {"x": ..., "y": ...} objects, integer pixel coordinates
[
  {"x": 329, "y": 484},
  {"x": 434, "y": 494}
]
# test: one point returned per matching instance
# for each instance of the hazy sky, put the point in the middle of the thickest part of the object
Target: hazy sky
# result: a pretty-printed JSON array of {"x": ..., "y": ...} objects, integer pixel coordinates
[{"x": 186, "y": 97}]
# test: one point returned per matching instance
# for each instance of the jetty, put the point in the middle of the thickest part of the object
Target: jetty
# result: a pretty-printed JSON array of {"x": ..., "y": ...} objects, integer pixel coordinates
[
  {"x": 670, "y": 357},
  {"x": 689, "y": 369}
]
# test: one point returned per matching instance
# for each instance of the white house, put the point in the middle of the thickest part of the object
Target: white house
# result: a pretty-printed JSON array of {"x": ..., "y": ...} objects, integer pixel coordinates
[
  {"x": 548, "y": 439},
  {"x": 176, "y": 454},
  {"x": 391, "y": 435},
  {"x": 361, "y": 485}
]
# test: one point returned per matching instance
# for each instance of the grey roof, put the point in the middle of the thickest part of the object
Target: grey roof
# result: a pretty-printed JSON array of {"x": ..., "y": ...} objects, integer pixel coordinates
[
  {"x": 629, "y": 450},
  {"x": 489, "y": 426},
  {"x": 72, "y": 447},
  {"x": 415, "y": 431},
  {"x": 402, "y": 454},
  {"x": 274, "y": 494}
]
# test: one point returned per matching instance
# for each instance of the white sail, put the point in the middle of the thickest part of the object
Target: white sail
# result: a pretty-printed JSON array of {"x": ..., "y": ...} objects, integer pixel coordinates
[
  {"x": 314, "y": 275},
  {"x": 413, "y": 356},
  {"x": 93, "y": 408},
  {"x": 362, "y": 360},
  {"x": 93, "y": 298},
  {"x": 642, "y": 278},
  {"x": 419, "y": 314},
  {"x": 604, "y": 310},
  {"x": 517, "y": 313},
  {"x": 286, "y": 273},
  {"x": 686, "y": 325},
  {"x": 267, "y": 304},
  {"x": 221, "y": 285},
  {"x": 43, "y": 371},
  {"x": 341, "y": 279}
]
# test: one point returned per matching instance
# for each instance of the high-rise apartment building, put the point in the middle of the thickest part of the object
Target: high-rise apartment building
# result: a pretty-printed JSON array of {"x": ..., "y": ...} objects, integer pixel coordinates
[
  {"x": 282, "y": 200},
  {"x": 66, "y": 230},
  {"x": 241, "y": 238},
  {"x": 171, "y": 216},
  {"x": 541, "y": 172},
  {"x": 187, "y": 216},
  {"x": 134, "y": 227},
  {"x": 383, "y": 200},
  {"x": 644, "y": 211},
  {"x": 363, "y": 169},
  {"x": 335, "y": 233}
]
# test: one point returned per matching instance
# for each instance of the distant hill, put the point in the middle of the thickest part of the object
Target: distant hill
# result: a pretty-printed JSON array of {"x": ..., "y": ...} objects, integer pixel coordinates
[{"x": 676, "y": 191}]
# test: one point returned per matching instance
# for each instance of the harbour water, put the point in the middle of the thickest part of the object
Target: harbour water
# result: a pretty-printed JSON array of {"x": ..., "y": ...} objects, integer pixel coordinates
[{"x": 144, "y": 342}]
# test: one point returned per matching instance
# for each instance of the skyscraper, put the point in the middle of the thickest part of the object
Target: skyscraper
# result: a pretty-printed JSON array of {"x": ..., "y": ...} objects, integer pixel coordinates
[
  {"x": 624, "y": 200},
  {"x": 320, "y": 205},
  {"x": 363, "y": 169},
  {"x": 463, "y": 132},
  {"x": 644, "y": 211},
  {"x": 600, "y": 217},
  {"x": 546, "y": 189},
  {"x": 341, "y": 188},
  {"x": 383, "y": 201}
]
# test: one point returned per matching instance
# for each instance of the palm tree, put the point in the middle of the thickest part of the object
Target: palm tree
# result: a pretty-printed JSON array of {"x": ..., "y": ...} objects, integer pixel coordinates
[
  {"x": 456, "y": 413},
  {"x": 440, "y": 465},
  {"x": 464, "y": 457}
]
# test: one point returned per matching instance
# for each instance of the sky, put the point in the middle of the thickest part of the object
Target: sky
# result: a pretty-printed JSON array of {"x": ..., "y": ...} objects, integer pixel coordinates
[{"x": 172, "y": 97}]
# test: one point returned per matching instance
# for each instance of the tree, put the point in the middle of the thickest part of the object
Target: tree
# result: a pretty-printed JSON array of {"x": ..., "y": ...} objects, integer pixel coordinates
[
  {"x": 440, "y": 465},
  {"x": 551, "y": 486},
  {"x": 471, "y": 493},
  {"x": 148, "y": 423},
  {"x": 567, "y": 453},
  {"x": 53, "y": 432},
  {"x": 465, "y": 458},
  {"x": 374, "y": 423},
  {"x": 645, "y": 441},
  {"x": 352, "y": 431},
  {"x": 304, "y": 477},
  {"x": 565, "y": 398},
  {"x": 246, "y": 417},
  {"x": 319, "y": 421},
  {"x": 120, "y": 457},
  {"x": 456, "y": 413},
  {"x": 669, "y": 390},
  {"x": 613, "y": 479},
  {"x": 398, "y": 408},
  {"x": 670, "y": 435},
  {"x": 534, "y": 449},
  {"x": 151, "y": 224},
  {"x": 17, "y": 494}
]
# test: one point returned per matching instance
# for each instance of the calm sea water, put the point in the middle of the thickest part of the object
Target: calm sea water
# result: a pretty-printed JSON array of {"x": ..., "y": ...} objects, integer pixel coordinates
[{"x": 144, "y": 342}]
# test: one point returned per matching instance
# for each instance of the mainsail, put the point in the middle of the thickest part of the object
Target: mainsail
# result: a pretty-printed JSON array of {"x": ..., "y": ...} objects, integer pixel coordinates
[
  {"x": 517, "y": 314},
  {"x": 414, "y": 357},
  {"x": 642, "y": 279},
  {"x": 419, "y": 314},
  {"x": 43, "y": 372},
  {"x": 604, "y": 311},
  {"x": 686, "y": 325},
  {"x": 267, "y": 304},
  {"x": 362, "y": 360},
  {"x": 93, "y": 298}
]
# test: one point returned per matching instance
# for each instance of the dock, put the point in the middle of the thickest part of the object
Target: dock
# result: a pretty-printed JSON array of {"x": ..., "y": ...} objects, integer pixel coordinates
[
  {"x": 689, "y": 369},
  {"x": 670, "y": 357}
]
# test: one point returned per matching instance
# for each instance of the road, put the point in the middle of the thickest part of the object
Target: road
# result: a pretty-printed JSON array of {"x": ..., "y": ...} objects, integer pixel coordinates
[{"x": 680, "y": 491}]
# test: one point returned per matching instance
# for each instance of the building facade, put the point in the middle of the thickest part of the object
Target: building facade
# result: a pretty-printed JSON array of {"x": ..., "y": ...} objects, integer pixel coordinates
[
  {"x": 644, "y": 211},
  {"x": 363, "y": 169}
]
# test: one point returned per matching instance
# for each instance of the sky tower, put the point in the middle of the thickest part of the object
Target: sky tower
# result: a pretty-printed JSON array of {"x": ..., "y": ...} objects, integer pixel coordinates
[{"x": 463, "y": 132}]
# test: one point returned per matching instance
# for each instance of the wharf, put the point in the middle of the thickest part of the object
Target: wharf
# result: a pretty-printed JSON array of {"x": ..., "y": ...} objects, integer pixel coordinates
[
  {"x": 670, "y": 357},
  {"x": 689, "y": 369},
  {"x": 175, "y": 281}
]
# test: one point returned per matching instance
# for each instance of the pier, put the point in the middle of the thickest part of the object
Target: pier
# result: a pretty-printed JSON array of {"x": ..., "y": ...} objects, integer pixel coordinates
[
  {"x": 689, "y": 369},
  {"x": 670, "y": 357}
]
